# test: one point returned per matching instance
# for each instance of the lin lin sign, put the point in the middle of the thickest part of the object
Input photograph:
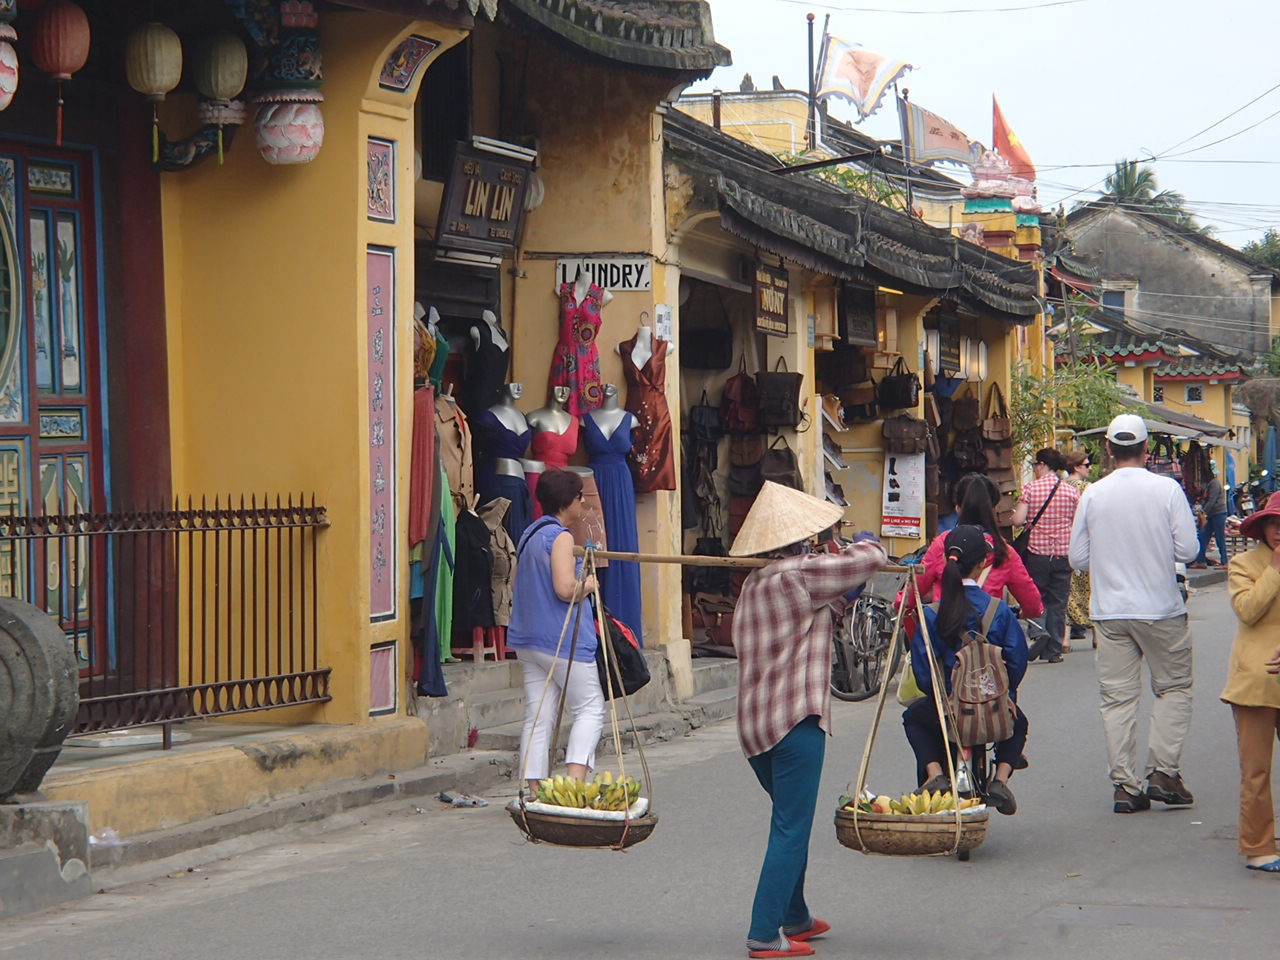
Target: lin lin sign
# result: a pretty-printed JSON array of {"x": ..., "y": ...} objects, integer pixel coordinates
[{"x": 611, "y": 273}]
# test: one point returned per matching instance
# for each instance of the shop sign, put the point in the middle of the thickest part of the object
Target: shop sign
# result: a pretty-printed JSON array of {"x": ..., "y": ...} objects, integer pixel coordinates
[
  {"x": 949, "y": 344},
  {"x": 483, "y": 203},
  {"x": 771, "y": 300},
  {"x": 858, "y": 313},
  {"x": 902, "y": 508},
  {"x": 611, "y": 273}
]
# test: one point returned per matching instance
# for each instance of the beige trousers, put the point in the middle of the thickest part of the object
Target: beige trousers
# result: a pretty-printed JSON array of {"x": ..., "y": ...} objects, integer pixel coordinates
[
  {"x": 1256, "y": 731},
  {"x": 1166, "y": 647}
]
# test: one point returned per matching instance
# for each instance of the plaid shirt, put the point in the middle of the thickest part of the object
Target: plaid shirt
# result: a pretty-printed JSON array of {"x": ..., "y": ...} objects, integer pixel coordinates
[
  {"x": 782, "y": 634},
  {"x": 1051, "y": 536}
]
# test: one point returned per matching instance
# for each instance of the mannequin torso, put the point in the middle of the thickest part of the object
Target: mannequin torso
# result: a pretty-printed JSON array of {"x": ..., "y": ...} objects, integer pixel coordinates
[
  {"x": 553, "y": 418},
  {"x": 643, "y": 349},
  {"x": 610, "y": 414},
  {"x": 496, "y": 333},
  {"x": 505, "y": 409}
]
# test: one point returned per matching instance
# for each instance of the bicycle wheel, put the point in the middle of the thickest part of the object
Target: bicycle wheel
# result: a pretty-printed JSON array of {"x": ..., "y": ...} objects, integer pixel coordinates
[{"x": 860, "y": 651}]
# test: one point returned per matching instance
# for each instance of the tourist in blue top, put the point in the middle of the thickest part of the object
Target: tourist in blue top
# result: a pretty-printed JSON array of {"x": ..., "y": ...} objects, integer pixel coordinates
[
  {"x": 961, "y": 609},
  {"x": 546, "y": 583}
]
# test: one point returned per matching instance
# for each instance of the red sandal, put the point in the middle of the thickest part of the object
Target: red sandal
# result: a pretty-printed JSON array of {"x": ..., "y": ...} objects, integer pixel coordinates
[
  {"x": 798, "y": 949},
  {"x": 819, "y": 928}
]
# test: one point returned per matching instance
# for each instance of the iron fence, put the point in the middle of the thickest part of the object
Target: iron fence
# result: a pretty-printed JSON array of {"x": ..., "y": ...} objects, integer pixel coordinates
[{"x": 194, "y": 611}]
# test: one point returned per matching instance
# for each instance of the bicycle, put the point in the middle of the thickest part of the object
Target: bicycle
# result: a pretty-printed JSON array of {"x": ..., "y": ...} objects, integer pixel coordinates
[{"x": 861, "y": 642}]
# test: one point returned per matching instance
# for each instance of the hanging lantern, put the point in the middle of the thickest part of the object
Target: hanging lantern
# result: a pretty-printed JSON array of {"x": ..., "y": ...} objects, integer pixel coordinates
[
  {"x": 221, "y": 72},
  {"x": 153, "y": 66},
  {"x": 60, "y": 44},
  {"x": 8, "y": 65},
  {"x": 289, "y": 127}
]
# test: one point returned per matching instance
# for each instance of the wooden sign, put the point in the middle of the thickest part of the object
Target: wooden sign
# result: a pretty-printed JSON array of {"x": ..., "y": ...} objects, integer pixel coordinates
[
  {"x": 771, "y": 285},
  {"x": 483, "y": 203},
  {"x": 858, "y": 315},
  {"x": 949, "y": 344}
]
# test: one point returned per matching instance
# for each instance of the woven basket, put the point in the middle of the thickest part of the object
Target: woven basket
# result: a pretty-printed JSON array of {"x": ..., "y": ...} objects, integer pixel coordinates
[
  {"x": 581, "y": 832},
  {"x": 900, "y": 835}
]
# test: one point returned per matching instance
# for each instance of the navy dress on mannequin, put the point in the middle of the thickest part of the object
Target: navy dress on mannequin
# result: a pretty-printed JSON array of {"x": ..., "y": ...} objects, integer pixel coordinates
[
  {"x": 620, "y": 582},
  {"x": 498, "y": 441}
]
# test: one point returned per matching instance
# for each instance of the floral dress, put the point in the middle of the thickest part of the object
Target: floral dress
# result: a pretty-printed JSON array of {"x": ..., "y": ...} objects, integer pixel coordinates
[
  {"x": 1078, "y": 601},
  {"x": 576, "y": 363}
]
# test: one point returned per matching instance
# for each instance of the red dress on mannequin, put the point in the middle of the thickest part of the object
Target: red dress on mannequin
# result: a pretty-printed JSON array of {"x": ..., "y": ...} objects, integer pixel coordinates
[
  {"x": 576, "y": 363},
  {"x": 652, "y": 459}
]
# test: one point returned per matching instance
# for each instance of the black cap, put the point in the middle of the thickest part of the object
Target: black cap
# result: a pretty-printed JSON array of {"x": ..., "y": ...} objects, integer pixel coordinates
[{"x": 968, "y": 545}]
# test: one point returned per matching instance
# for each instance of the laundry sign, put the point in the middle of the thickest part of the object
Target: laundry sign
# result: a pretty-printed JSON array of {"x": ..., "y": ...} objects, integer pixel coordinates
[{"x": 612, "y": 273}]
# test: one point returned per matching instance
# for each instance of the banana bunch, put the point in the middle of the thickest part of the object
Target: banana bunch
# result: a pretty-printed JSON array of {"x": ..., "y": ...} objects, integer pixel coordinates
[
  {"x": 600, "y": 793},
  {"x": 931, "y": 801}
]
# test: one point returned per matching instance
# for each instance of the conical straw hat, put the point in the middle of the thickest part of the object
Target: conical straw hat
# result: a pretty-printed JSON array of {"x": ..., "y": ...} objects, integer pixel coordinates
[{"x": 782, "y": 516}]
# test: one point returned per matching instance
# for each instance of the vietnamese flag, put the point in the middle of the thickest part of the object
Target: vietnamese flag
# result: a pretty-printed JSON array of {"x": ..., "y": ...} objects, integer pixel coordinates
[{"x": 1008, "y": 145}]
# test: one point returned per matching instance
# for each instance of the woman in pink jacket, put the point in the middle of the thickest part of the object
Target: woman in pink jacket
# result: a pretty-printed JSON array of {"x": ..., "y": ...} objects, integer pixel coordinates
[{"x": 977, "y": 496}]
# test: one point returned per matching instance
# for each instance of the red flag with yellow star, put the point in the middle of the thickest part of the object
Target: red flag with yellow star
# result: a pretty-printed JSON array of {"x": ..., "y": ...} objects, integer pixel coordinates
[{"x": 1008, "y": 145}]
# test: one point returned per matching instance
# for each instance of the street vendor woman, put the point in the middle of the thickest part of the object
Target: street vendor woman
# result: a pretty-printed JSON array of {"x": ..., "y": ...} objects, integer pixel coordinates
[{"x": 782, "y": 634}]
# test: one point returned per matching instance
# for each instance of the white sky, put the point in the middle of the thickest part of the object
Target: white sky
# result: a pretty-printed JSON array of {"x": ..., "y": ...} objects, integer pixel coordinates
[{"x": 1083, "y": 84}]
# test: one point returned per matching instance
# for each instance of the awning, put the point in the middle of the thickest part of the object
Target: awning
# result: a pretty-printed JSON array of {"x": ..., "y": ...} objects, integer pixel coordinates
[{"x": 1177, "y": 432}]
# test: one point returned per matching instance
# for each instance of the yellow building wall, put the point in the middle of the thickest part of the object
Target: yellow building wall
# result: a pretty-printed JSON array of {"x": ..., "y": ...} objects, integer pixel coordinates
[
  {"x": 266, "y": 305},
  {"x": 775, "y": 123}
]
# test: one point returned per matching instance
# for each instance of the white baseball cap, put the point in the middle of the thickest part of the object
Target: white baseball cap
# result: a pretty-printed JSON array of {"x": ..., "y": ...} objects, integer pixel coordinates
[{"x": 1127, "y": 428}]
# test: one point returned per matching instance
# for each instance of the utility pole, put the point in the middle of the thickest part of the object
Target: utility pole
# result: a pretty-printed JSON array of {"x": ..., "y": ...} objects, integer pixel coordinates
[{"x": 811, "y": 127}]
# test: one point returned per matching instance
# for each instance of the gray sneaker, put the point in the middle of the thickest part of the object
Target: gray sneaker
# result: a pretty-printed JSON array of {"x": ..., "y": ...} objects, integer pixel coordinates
[{"x": 1167, "y": 789}]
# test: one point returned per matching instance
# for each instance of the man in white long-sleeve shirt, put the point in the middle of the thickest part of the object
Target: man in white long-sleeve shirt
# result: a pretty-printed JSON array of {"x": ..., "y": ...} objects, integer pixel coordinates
[{"x": 1130, "y": 529}]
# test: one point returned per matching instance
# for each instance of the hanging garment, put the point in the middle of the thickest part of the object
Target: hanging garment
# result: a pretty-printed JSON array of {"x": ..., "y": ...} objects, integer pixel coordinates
[
  {"x": 503, "y": 548},
  {"x": 590, "y": 528},
  {"x": 514, "y": 490},
  {"x": 439, "y": 359},
  {"x": 430, "y": 651},
  {"x": 422, "y": 464},
  {"x": 472, "y": 573},
  {"x": 652, "y": 459},
  {"x": 576, "y": 363},
  {"x": 494, "y": 440},
  {"x": 454, "y": 440},
  {"x": 486, "y": 372},
  {"x": 620, "y": 583},
  {"x": 555, "y": 449},
  {"x": 444, "y": 582},
  {"x": 531, "y": 478},
  {"x": 424, "y": 352}
]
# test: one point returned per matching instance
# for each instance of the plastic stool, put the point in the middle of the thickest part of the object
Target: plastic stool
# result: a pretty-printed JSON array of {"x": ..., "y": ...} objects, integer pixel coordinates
[{"x": 484, "y": 641}]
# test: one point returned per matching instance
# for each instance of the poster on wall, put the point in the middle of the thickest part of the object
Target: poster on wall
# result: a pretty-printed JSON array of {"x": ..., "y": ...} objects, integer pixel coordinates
[
  {"x": 770, "y": 289},
  {"x": 380, "y": 307},
  {"x": 902, "y": 510}
]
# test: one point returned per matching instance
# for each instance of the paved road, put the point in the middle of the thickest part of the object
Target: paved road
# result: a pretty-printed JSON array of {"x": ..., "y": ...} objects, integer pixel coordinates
[{"x": 1065, "y": 878}]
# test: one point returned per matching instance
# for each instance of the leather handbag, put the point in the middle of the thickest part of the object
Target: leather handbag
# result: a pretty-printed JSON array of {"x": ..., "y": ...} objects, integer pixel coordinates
[
  {"x": 841, "y": 367},
  {"x": 997, "y": 426},
  {"x": 999, "y": 456},
  {"x": 860, "y": 403},
  {"x": 746, "y": 449},
  {"x": 969, "y": 452},
  {"x": 779, "y": 392},
  {"x": 905, "y": 434},
  {"x": 709, "y": 579},
  {"x": 966, "y": 412},
  {"x": 900, "y": 389},
  {"x": 745, "y": 481},
  {"x": 740, "y": 402},
  {"x": 739, "y": 507},
  {"x": 704, "y": 421},
  {"x": 780, "y": 465}
]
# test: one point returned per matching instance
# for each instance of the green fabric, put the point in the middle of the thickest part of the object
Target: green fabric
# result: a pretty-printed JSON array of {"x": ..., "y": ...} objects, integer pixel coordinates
[
  {"x": 436, "y": 374},
  {"x": 444, "y": 577}
]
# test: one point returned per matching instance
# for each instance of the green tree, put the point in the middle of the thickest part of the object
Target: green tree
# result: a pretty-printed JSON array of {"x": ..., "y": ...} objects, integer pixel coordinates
[
  {"x": 1134, "y": 185},
  {"x": 1266, "y": 250},
  {"x": 1073, "y": 396}
]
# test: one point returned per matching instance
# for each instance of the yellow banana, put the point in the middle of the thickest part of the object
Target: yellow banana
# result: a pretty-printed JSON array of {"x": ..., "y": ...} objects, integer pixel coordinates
[{"x": 608, "y": 777}]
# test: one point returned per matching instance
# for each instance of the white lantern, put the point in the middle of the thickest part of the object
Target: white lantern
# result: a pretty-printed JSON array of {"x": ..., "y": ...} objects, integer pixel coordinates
[
  {"x": 222, "y": 67},
  {"x": 153, "y": 60}
]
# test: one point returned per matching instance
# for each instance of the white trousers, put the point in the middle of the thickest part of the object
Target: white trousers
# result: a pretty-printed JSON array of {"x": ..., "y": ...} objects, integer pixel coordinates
[{"x": 584, "y": 699}]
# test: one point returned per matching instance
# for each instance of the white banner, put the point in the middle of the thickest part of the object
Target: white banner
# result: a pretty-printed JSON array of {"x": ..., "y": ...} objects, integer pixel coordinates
[
  {"x": 902, "y": 511},
  {"x": 612, "y": 273}
]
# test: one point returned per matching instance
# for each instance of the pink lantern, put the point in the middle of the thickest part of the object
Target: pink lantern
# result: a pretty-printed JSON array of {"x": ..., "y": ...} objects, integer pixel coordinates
[
  {"x": 290, "y": 126},
  {"x": 60, "y": 44},
  {"x": 8, "y": 65}
]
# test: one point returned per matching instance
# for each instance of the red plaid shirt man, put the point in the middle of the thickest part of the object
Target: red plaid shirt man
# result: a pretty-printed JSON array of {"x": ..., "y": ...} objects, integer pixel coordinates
[
  {"x": 782, "y": 634},
  {"x": 1051, "y": 536}
]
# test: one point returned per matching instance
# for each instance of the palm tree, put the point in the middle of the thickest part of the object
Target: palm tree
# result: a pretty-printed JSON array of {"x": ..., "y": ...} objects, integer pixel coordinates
[{"x": 1134, "y": 185}]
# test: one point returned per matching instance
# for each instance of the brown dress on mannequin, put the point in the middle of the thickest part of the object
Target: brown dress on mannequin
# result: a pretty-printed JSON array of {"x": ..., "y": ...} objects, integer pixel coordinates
[{"x": 652, "y": 459}]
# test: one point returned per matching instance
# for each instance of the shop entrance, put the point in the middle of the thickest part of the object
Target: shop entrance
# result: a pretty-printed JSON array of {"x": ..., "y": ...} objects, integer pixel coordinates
[{"x": 51, "y": 436}]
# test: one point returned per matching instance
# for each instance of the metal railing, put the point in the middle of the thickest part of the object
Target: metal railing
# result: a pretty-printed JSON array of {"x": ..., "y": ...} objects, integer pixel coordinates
[{"x": 195, "y": 611}]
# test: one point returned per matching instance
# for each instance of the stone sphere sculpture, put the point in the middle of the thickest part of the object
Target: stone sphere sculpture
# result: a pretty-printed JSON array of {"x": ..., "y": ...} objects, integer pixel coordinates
[{"x": 39, "y": 695}]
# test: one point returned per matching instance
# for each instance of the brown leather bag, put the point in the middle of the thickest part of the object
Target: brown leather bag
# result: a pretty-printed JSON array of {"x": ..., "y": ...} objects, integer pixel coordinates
[
  {"x": 905, "y": 434},
  {"x": 781, "y": 466},
  {"x": 966, "y": 412},
  {"x": 997, "y": 426}
]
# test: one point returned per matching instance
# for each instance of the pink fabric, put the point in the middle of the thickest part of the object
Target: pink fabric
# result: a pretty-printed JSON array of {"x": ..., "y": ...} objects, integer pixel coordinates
[
  {"x": 555, "y": 449},
  {"x": 532, "y": 480},
  {"x": 576, "y": 363},
  {"x": 1012, "y": 574}
]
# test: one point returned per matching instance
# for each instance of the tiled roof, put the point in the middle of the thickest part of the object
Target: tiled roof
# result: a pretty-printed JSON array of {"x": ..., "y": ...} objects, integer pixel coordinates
[
  {"x": 658, "y": 34},
  {"x": 1194, "y": 368}
]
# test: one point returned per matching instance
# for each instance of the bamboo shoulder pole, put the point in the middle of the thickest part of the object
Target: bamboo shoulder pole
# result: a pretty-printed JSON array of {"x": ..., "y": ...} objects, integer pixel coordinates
[{"x": 697, "y": 561}]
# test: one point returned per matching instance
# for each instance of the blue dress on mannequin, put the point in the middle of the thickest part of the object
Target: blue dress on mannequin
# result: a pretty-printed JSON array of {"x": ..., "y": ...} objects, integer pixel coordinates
[
  {"x": 620, "y": 581},
  {"x": 498, "y": 441}
]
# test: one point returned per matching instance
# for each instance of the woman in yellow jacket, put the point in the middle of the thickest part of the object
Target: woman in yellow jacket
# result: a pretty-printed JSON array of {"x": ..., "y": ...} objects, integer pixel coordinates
[{"x": 1254, "y": 694}]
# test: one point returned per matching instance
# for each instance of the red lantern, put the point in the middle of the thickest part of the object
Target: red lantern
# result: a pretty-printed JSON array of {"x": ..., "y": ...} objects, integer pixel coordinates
[{"x": 59, "y": 42}]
